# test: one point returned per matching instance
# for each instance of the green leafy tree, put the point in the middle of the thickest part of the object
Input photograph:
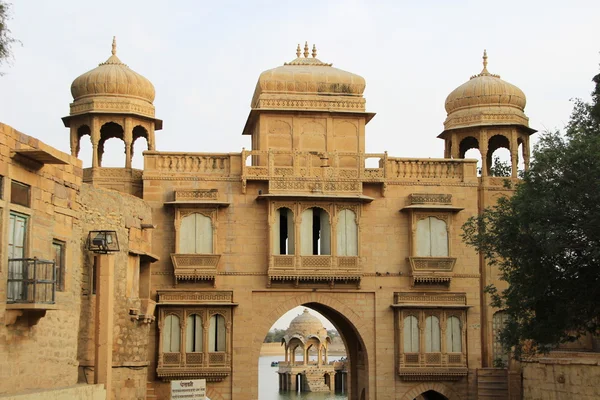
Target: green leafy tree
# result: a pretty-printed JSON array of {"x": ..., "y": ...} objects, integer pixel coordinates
[
  {"x": 275, "y": 336},
  {"x": 545, "y": 239},
  {"x": 500, "y": 168},
  {"x": 6, "y": 40}
]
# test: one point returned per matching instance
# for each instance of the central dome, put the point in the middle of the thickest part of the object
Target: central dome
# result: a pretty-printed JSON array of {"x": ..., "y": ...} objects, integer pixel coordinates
[
  {"x": 307, "y": 82},
  {"x": 485, "y": 100},
  {"x": 306, "y": 324},
  {"x": 112, "y": 78}
]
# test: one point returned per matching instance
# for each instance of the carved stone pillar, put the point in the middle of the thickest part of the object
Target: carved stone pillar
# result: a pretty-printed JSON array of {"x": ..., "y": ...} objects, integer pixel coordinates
[
  {"x": 454, "y": 146},
  {"x": 514, "y": 153},
  {"x": 205, "y": 344},
  {"x": 483, "y": 149},
  {"x": 95, "y": 134},
  {"x": 526, "y": 152},
  {"x": 74, "y": 142},
  {"x": 319, "y": 355},
  {"x": 128, "y": 139}
]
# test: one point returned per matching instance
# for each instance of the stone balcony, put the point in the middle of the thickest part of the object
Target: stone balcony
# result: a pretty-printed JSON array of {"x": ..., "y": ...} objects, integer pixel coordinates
[
  {"x": 431, "y": 270},
  {"x": 325, "y": 268},
  {"x": 212, "y": 366},
  {"x": 432, "y": 366},
  {"x": 195, "y": 267},
  {"x": 309, "y": 172}
]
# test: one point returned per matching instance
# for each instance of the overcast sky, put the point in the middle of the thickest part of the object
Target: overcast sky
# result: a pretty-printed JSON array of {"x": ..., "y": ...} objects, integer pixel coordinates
[{"x": 204, "y": 59}]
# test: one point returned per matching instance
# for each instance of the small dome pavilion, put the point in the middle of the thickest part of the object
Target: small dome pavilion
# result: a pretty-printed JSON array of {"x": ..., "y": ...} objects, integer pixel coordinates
[
  {"x": 306, "y": 332},
  {"x": 112, "y": 101},
  {"x": 487, "y": 113}
]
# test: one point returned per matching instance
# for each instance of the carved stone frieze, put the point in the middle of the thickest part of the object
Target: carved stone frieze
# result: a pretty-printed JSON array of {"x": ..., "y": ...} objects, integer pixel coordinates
[
  {"x": 195, "y": 266},
  {"x": 195, "y": 297},
  {"x": 430, "y": 198},
  {"x": 196, "y": 194},
  {"x": 430, "y": 298}
]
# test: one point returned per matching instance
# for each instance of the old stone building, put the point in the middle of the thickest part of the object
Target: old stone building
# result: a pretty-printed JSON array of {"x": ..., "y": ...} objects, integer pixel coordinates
[{"x": 214, "y": 248}]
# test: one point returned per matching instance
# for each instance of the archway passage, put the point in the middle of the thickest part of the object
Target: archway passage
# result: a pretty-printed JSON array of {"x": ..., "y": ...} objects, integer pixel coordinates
[
  {"x": 358, "y": 379},
  {"x": 353, "y": 331},
  {"x": 431, "y": 395}
]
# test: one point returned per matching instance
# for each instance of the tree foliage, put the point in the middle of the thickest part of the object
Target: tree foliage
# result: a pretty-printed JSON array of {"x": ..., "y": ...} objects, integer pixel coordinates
[
  {"x": 545, "y": 239},
  {"x": 6, "y": 40},
  {"x": 500, "y": 168},
  {"x": 274, "y": 336}
]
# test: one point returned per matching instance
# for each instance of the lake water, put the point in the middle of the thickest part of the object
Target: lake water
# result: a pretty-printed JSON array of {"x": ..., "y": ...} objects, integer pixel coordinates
[{"x": 268, "y": 383}]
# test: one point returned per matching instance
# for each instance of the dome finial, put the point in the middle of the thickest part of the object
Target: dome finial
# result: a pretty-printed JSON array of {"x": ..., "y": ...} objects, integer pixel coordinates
[
  {"x": 485, "y": 62},
  {"x": 114, "y": 46},
  {"x": 306, "y": 50},
  {"x": 314, "y": 51},
  {"x": 298, "y": 51}
]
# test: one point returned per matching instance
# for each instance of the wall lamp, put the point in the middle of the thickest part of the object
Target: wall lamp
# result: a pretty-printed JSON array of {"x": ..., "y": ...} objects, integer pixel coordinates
[{"x": 103, "y": 242}]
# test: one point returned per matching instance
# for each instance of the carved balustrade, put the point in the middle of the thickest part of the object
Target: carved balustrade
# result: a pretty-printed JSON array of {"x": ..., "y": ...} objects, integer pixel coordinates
[
  {"x": 215, "y": 164},
  {"x": 434, "y": 169},
  {"x": 314, "y": 268},
  {"x": 312, "y": 171}
]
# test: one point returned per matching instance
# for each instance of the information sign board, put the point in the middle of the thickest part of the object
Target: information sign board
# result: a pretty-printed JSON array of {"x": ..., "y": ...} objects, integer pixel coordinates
[{"x": 190, "y": 389}]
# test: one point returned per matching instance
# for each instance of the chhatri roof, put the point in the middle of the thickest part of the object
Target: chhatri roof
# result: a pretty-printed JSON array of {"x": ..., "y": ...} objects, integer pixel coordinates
[
  {"x": 306, "y": 324},
  {"x": 112, "y": 78},
  {"x": 306, "y": 81},
  {"x": 485, "y": 99}
]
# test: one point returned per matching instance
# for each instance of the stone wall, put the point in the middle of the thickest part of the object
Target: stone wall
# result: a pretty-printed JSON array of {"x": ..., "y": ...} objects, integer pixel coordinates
[
  {"x": 32, "y": 341},
  {"x": 104, "y": 209},
  {"x": 562, "y": 376},
  {"x": 78, "y": 392}
]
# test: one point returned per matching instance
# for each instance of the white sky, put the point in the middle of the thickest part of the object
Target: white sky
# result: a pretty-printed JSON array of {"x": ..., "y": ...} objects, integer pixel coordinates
[
  {"x": 284, "y": 321},
  {"x": 204, "y": 58}
]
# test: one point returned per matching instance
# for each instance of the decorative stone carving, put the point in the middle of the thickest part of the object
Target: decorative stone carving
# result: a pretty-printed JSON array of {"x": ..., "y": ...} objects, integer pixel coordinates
[
  {"x": 430, "y": 198},
  {"x": 195, "y": 266}
]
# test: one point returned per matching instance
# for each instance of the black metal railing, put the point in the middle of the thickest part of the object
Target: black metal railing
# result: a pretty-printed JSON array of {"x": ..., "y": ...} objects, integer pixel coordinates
[{"x": 31, "y": 280}]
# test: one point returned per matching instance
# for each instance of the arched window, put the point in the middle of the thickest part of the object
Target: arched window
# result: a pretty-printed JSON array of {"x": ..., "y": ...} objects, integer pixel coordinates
[
  {"x": 196, "y": 234},
  {"x": 193, "y": 335},
  {"x": 347, "y": 234},
  {"x": 432, "y": 238},
  {"x": 283, "y": 232},
  {"x": 171, "y": 334},
  {"x": 432, "y": 334},
  {"x": 453, "y": 335},
  {"x": 315, "y": 232},
  {"x": 500, "y": 355},
  {"x": 216, "y": 333},
  {"x": 411, "y": 334}
]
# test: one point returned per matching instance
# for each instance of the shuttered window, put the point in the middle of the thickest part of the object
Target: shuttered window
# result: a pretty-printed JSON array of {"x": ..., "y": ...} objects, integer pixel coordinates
[
  {"x": 315, "y": 232},
  {"x": 453, "y": 335},
  {"x": 193, "y": 336},
  {"x": 171, "y": 334},
  {"x": 196, "y": 234},
  {"x": 216, "y": 334},
  {"x": 432, "y": 334},
  {"x": 283, "y": 232},
  {"x": 432, "y": 238},
  {"x": 347, "y": 234},
  {"x": 411, "y": 334}
]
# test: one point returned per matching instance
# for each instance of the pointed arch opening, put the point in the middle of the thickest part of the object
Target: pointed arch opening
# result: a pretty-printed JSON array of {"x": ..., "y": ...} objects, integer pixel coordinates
[
  {"x": 498, "y": 157},
  {"x": 354, "y": 379},
  {"x": 137, "y": 158},
  {"x": 111, "y": 142},
  {"x": 83, "y": 146}
]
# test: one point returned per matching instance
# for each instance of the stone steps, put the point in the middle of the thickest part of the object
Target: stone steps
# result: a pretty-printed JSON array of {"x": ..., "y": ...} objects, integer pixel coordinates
[
  {"x": 150, "y": 395},
  {"x": 492, "y": 384}
]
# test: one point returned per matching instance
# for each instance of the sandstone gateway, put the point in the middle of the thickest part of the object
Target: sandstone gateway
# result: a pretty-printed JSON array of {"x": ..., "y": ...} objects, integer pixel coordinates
[{"x": 214, "y": 248}]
